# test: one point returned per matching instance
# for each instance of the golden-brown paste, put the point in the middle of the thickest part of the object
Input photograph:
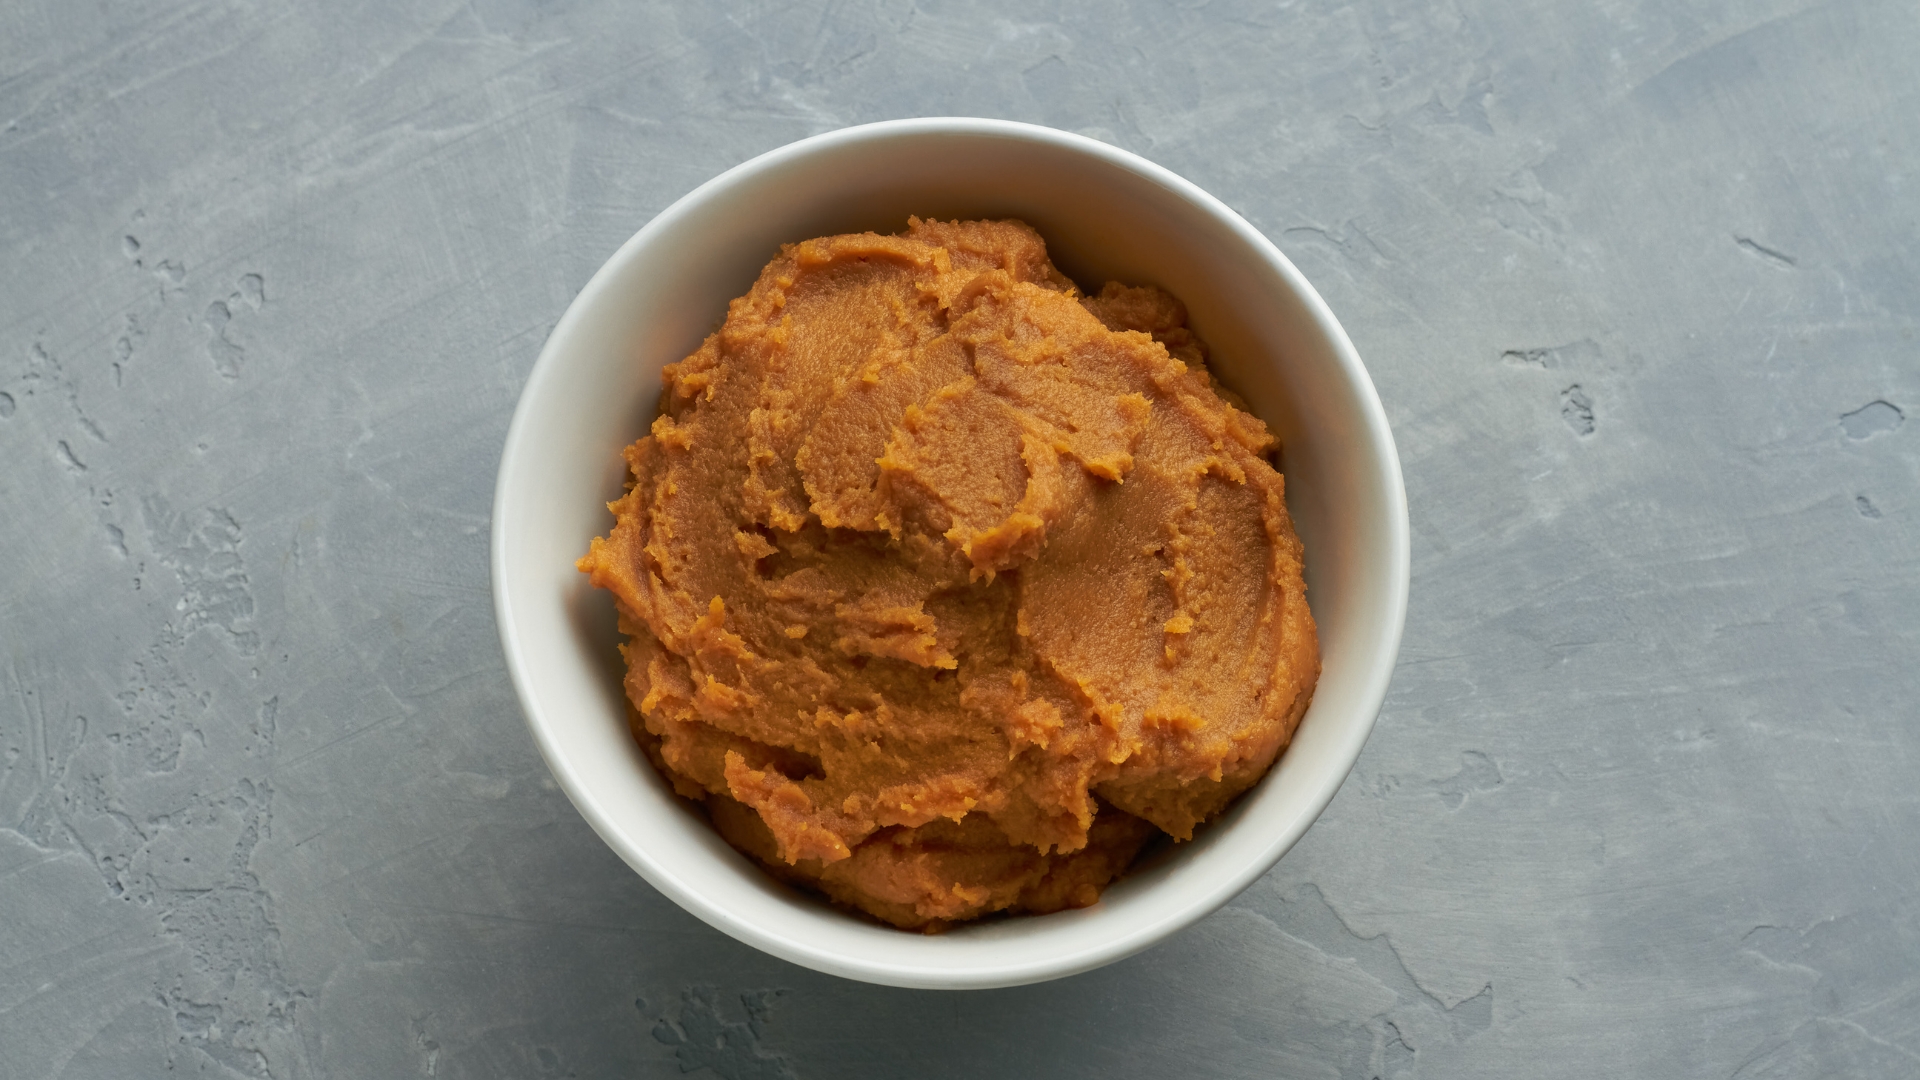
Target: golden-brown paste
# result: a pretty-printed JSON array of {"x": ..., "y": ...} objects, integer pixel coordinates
[{"x": 946, "y": 586}]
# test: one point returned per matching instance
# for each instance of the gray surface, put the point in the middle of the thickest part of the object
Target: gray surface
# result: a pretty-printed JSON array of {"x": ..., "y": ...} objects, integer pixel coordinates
[{"x": 1638, "y": 286}]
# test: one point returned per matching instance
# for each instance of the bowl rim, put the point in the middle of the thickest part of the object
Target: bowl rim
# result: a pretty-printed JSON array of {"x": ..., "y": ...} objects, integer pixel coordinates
[{"x": 1391, "y": 622}]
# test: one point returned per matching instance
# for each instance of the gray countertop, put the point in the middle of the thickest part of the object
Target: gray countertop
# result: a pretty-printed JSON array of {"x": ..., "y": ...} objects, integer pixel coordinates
[{"x": 1638, "y": 285}]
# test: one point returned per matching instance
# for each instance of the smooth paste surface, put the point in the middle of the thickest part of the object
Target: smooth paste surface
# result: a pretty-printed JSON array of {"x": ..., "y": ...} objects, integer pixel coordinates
[{"x": 946, "y": 586}]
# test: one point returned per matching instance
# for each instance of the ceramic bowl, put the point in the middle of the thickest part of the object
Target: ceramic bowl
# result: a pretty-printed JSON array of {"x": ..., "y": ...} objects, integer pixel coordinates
[{"x": 1105, "y": 214}]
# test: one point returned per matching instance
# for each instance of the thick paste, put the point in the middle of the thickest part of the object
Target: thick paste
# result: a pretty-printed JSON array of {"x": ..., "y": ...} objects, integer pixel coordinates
[{"x": 947, "y": 587}]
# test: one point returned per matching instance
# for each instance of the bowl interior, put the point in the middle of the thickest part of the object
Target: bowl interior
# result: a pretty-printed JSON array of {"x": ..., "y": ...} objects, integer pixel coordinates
[{"x": 1105, "y": 215}]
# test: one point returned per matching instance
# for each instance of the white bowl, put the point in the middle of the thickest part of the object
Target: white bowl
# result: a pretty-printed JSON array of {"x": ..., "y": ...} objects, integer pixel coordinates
[{"x": 1105, "y": 214}]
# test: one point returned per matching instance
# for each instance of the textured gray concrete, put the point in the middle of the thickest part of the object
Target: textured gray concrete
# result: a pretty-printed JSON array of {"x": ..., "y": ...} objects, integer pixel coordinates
[{"x": 1637, "y": 281}]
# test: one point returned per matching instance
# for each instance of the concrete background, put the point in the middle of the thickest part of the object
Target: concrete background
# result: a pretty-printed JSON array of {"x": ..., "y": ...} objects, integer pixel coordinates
[{"x": 1637, "y": 281}]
